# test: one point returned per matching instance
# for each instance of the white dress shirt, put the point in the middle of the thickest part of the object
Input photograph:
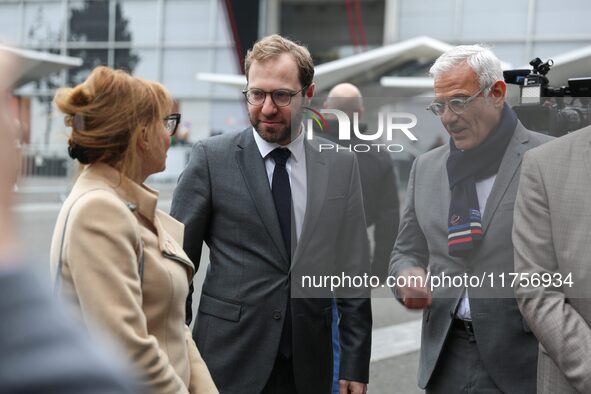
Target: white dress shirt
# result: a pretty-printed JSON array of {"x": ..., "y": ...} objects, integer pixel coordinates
[
  {"x": 483, "y": 189},
  {"x": 296, "y": 170}
]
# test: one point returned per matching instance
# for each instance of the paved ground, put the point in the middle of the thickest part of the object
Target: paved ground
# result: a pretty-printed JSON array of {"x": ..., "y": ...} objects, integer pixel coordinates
[{"x": 396, "y": 331}]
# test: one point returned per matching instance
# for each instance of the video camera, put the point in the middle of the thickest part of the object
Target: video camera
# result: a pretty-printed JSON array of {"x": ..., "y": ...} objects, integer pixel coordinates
[{"x": 544, "y": 108}]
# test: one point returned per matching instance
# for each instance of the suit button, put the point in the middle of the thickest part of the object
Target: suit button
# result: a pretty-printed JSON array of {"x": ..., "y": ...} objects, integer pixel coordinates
[{"x": 277, "y": 314}]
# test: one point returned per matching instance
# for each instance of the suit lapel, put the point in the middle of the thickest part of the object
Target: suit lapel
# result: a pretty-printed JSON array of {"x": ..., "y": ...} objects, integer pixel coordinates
[
  {"x": 253, "y": 170},
  {"x": 587, "y": 156},
  {"x": 509, "y": 165},
  {"x": 445, "y": 198},
  {"x": 317, "y": 182}
]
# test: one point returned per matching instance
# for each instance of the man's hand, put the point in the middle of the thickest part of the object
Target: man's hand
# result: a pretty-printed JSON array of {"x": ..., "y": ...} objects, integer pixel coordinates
[
  {"x": 350, "y": 387},
  {"x": 416, "y": 294}
]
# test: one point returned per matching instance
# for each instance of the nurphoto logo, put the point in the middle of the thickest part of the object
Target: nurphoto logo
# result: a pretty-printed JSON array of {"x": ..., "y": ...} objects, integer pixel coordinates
[{"x": 388, "y": 124}]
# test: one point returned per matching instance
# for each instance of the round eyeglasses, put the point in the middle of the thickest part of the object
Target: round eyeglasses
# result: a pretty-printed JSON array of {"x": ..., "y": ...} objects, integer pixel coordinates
[
  {"x": 456, "y": 105},
  {"x": 280, "y": 97},
  {"x": 171, "y": 123}
]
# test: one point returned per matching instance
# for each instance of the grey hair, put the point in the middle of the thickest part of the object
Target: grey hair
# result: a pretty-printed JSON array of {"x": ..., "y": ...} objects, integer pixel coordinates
[{"x": 480, "y": 59}]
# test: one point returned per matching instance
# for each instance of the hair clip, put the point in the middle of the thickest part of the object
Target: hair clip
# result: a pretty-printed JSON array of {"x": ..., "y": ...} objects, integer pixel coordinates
[{"x": 78, "y": 122}]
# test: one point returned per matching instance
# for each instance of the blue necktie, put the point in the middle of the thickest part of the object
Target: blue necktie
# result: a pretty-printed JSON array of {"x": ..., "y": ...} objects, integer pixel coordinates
[{"x": 281, "y": 191}]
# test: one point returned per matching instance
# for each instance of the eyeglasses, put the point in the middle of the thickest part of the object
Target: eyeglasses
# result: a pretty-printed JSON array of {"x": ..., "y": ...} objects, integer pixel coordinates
[
  {"x": 456, "y": 105},
  {"x": 280, "y": 97},
  {"x": 171, "y": 123}
]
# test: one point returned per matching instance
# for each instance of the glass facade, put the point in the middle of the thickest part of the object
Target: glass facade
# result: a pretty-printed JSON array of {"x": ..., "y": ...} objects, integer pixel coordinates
[
  {"x": 172, "y": 40},
  {"x": 165, "y": 40},
  {"x": 518, "y": 30},
  {"x": 333, "y": 29}
]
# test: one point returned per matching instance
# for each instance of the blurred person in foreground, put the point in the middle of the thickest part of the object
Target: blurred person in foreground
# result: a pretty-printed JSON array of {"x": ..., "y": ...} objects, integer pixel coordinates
[
  {"x": 552, "y": 240},
  {"x": 41, "y": 350},
  {"x": 271, "y": 206},
  {"x": 457, "y": 221},
  {"x": 115, "y": 257}
]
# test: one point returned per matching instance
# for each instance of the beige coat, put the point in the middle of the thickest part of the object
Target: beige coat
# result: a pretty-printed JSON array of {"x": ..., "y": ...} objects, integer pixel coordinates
[{"x": 110, "y": 216}]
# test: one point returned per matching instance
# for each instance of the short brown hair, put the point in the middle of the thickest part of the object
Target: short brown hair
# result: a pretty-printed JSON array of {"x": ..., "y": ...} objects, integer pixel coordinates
[
  {"x": 273, "y": 46},
  {"x": 106, "y": 113}
]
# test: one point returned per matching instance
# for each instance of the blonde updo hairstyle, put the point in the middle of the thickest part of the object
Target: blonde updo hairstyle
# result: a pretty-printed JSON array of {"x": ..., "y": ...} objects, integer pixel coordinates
[{"x": 107, "y": 112}]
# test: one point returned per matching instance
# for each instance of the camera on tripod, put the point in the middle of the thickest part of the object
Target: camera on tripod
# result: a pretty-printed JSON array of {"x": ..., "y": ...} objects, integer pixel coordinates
[{"x": 550, "y": 110}]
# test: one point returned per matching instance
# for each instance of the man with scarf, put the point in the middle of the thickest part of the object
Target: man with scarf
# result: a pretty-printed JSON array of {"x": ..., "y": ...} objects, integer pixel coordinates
[{"x": 457, "y": 225}]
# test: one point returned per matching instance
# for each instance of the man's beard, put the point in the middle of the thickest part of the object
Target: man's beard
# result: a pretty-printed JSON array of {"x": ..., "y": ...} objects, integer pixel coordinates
[{"x": 281, "y": 134}]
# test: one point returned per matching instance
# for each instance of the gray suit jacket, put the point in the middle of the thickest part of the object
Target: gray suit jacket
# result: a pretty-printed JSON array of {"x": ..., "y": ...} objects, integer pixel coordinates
[
  {"x": 552, "y": 235},
  {"x": 225, "y": 200},
  {"x": 505, "y": 343},
  {"x": 41, "y": 351}
]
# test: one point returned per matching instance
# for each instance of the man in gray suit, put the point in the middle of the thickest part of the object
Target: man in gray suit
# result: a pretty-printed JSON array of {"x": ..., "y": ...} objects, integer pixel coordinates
[
  {"x": 552, "y": 240},
  {"x": 273, "y": 208},
  {"x": 457, "y": 222}
]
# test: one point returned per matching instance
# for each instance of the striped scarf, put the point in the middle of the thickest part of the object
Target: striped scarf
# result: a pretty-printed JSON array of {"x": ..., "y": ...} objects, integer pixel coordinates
[{"x": 464, "y": 169}]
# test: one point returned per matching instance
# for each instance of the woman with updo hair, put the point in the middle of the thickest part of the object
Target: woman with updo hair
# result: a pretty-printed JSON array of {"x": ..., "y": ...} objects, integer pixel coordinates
[{"x": 114, "y": 256}]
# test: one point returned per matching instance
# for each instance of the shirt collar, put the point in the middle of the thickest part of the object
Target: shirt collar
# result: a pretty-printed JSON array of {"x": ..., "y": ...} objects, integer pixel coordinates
[{"x": 296, "y": 146}]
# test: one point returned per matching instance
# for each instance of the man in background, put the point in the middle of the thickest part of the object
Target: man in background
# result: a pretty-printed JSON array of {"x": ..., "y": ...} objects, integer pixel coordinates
[{"x": 378, "y": 179}]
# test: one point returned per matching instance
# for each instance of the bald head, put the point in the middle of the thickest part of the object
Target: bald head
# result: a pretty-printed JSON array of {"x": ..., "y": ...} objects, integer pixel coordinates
[
  {"x": 345, "y": 97},
  {"x": 344, "y": 90}
]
